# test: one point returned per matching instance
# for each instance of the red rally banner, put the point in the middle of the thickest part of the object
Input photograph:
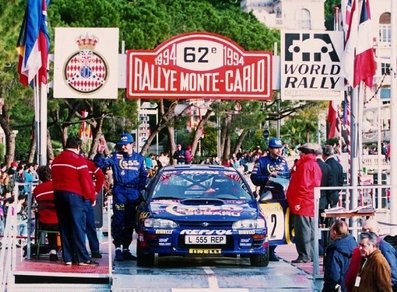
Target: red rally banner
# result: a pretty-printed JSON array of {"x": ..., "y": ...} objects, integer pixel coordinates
[{"x": 199, "y": 65}]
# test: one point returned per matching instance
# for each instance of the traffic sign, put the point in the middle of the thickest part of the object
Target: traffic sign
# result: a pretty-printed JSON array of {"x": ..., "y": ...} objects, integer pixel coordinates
[{"x": 266, "y": 133}]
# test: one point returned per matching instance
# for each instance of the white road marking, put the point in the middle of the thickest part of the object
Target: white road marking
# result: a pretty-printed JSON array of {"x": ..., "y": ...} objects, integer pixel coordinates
[
  {"x": 212, "y": 280},
  {"x": 212, "y": 284}
]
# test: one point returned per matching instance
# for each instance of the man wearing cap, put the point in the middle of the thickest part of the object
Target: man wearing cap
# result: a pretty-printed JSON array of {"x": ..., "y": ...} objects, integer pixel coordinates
[
  {"x": 300, "y": 197},
  {"x": 336, "y": 175},
  {"x": 129, "y": 176},
  {"x": 271, "y": 165}
]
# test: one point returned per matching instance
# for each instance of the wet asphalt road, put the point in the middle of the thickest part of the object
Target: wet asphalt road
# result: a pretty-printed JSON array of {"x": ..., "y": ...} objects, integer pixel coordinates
[{"x": 177, "y": 274}]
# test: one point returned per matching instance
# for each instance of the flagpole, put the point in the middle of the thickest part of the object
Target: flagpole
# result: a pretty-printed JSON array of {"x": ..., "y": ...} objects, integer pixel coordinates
[
  {"x": 354, "y": 156},
  {"x": 42, "y": 150},
  {"x": 393, "y": 117},
  {"x": 36, "y": 92}
]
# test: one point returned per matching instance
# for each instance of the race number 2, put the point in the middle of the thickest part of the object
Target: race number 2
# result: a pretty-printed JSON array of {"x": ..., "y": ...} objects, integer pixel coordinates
[{"x": 274, "y": 216}]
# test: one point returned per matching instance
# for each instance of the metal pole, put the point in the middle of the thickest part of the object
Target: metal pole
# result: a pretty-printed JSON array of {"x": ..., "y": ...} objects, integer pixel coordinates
[
  {"x": 393, "y": 117},
  {"x": 43, "y": 125},
  {"x": 354, "y": 154}
]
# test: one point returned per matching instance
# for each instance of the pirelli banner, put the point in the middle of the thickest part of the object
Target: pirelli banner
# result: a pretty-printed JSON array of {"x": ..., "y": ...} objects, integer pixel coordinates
[
  {"x": 199, "y": 65},
  {"x": 311, "y": 65}
]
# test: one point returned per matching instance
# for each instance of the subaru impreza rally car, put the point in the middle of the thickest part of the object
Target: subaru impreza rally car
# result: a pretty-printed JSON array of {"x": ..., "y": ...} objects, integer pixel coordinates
[{"x": 200, "y": 210}]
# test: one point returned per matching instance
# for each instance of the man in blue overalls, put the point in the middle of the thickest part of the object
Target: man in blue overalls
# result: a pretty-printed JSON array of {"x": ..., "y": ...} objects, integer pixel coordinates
[
  {"x": 271, "y": 165},
  {"x": 129, "y": 175}
]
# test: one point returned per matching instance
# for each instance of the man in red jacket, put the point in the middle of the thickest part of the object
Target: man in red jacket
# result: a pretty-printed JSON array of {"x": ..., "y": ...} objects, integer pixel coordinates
[
  {"x": 44, "y": 196},
  {"x": 300, "y": 197},
  {"x": 73, "y": 185}
]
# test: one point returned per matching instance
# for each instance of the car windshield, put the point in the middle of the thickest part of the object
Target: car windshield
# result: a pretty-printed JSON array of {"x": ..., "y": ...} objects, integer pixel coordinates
[{"x": 207, "y": 184}]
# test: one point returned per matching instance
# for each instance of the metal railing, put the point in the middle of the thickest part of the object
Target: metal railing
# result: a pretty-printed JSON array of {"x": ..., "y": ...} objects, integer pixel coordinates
[{"x": 376, "y": 196}]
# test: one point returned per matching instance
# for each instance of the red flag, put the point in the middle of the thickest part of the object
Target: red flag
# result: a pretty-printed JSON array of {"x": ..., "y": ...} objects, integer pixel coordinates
[
  {"x": 365, "y": 65},
  {"x": 332, "y": 119},
  {"x": 33, "y": 43}
]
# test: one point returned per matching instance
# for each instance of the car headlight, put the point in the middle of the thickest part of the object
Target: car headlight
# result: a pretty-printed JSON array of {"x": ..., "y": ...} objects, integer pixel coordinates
[
  {"x": 159, "y": 223},
  {"x": 249, "y": 224}
]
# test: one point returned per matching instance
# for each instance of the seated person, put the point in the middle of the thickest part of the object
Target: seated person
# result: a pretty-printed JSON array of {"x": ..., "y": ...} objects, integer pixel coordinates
[{"x": 44, "y": 196}]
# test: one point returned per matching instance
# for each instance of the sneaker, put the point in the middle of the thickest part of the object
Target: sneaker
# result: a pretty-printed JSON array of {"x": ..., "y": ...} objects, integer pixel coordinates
[
  {"x": 89, "y": 263},
  {"x": 118, "y": 256},
  {"x": 96, "y": 255},
  {"x": 68, "y": 263},
  {"x": 127, "y": 256},
  {"x": 53, "y": 256}
]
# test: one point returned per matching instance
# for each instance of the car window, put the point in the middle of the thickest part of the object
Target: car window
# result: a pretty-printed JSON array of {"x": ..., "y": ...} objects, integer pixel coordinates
[{"x": 201, "y": 184}]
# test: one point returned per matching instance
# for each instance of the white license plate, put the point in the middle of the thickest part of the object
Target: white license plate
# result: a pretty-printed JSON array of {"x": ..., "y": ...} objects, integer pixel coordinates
[{"x": 207, "y": 239}]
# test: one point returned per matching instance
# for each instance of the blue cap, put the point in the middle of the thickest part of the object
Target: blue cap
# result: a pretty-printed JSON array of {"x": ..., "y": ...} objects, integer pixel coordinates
[
  {"x": 275, "y": 143},
  {"x": 125, "y": 139}
]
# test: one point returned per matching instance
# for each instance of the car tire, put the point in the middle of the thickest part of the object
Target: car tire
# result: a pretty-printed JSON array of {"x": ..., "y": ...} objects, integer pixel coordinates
[
  {"x": 260, "y": 260},
  {"x": 144, "y": 259}
]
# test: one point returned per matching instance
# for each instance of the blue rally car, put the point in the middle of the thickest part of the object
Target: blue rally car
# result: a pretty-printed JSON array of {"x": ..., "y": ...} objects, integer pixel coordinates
[{"x": 200, "y": 210}]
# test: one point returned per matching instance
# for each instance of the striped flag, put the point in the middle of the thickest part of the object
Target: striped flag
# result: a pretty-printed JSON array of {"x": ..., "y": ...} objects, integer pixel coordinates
[
  {"x": 365, "y": 66},
  {"x": 346, "y": 7},
  {"x": 359, "y": 57},
  {"x": 33, "y": 43},
  {"x": 351, "y": 28}
]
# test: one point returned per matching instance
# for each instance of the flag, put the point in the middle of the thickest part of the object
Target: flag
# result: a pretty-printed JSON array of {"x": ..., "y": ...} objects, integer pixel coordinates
[
  {"x": 350, "y": 26},
  {"x": 346, "y": 10},
  {"x": 33, "y": 43},
  {"x": 333, "y": 125},
  {"x": 85, "y": 127},
  {"x": 364, "y": 65}
]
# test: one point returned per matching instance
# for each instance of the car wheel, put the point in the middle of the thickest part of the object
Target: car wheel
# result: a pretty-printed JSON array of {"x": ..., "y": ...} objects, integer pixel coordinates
[
  {"x": 144, "y": 259},
  {"x": 260, "y": 260}
]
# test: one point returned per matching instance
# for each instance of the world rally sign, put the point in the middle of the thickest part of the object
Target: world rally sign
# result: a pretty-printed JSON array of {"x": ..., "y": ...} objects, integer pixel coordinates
[
  {"x": 311, "y": 67},
  {"x": 199, "y": 65}
]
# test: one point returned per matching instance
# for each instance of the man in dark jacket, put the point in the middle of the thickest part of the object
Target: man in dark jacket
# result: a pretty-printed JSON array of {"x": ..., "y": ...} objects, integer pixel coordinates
[
  {"x": 337, "y": 256},
  {"x": 336, "y": 174},
  {"x": 179, "y": 155},
  {"x": 323, "y": 204}
]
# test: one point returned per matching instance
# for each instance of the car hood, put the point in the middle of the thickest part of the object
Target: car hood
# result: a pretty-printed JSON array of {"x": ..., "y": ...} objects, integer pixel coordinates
[{"x": 199, "y": 209}]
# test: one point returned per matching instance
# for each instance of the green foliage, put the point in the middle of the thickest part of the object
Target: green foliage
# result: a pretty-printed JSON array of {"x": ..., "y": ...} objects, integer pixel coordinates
[
  {"x": 208, "y": 143},
  {"x": 254, "y": 139},
  {"x": 2, "y": 152},
  {"x": 302, "y": 127},
  {"x": 142, "y": 25},
  {"x": 329, "y": 8}
]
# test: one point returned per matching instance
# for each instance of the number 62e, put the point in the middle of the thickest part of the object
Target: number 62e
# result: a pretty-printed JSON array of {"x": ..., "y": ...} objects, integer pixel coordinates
[{"x": 193, "y": 54}]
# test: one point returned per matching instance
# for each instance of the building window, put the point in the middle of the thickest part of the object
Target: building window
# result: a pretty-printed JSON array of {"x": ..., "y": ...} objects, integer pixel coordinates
[
  {"x": 385, "y": 30},
  {"x": 303, "y": 17},
  {"x": 385, "y": 68}
]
